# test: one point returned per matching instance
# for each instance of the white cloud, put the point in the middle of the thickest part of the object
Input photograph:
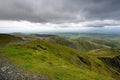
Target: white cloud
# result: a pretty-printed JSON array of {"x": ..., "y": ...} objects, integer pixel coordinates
[{"x": 26, "y": 26}]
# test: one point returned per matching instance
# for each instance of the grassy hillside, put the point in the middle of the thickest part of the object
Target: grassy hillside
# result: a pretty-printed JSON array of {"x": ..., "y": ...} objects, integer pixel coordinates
[
  {"x": 60, "y": 59},
  {"x": 105, "y": 52},
  {"x": 113, "y": 62},
  {"x": 81, "y": 44},
  {"x": 5, "y": 39},
  {"x": 56, "y": 61}
]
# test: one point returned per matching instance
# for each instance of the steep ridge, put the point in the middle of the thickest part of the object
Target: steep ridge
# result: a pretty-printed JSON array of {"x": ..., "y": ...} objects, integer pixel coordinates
[
  {"x": 109, "y": 56},
  {"x": 105, "y": 52},
  {"x": 113, "y": 62}
]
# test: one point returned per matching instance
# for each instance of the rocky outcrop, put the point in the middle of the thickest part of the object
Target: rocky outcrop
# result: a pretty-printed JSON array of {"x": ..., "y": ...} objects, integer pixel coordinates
[{"x": 9, "y": 71}]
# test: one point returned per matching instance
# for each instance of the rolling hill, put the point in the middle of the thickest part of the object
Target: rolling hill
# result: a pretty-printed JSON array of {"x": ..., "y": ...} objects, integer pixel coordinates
[
  {"x": 64, "y": 59},
  {"x": 5, "y": 39}
]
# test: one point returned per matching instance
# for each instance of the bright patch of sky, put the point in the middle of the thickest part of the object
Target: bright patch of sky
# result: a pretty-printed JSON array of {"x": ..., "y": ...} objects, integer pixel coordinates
[{"x": 7, "y": 26}]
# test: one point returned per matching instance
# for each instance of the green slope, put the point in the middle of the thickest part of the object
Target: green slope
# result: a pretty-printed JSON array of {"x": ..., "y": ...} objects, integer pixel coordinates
[
  {"x": 105, "y": 52},
  {"x": 109, "y": 56},
  {"x": 57, "y": 61},
  {"x": 6, "y": 38},
  {"x": 113, "y": 62},
  {"x": 81, "y": 44},
  {"x": 62, "y": 59}
]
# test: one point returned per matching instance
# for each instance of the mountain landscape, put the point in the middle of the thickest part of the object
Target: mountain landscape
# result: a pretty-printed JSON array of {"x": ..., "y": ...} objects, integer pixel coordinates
[
  {"x": 59, "y": 57},
  {"x": 59, "y": 39}
]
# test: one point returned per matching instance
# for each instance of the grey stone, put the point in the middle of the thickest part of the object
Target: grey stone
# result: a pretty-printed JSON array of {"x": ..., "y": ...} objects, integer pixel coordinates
[{"x": 8, "y": 71}]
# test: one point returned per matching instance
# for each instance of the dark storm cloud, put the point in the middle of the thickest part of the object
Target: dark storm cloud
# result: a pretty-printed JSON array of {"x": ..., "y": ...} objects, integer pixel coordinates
[{"x": 59, "y": 10}]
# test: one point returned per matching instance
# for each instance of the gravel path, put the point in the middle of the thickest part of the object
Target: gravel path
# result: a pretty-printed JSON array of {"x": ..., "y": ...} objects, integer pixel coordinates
[{"x": 9, "y": 71}]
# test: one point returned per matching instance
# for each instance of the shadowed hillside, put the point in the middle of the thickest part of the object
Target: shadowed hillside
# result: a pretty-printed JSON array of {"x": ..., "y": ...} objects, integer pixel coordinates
[{"x": 5, "y": 39}]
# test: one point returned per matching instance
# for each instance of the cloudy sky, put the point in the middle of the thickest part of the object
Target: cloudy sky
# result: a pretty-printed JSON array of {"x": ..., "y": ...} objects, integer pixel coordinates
[{"x": 59, "y": 15}]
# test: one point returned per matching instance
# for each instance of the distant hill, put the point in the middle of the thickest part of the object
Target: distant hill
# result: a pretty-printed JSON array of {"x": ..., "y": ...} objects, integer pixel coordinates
[
  {"x": 45, "y": 35},
  {"x": 81, "y": 44},
  {"x": 105, "y": 52},
  {"x": 6, "y": 38}
]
